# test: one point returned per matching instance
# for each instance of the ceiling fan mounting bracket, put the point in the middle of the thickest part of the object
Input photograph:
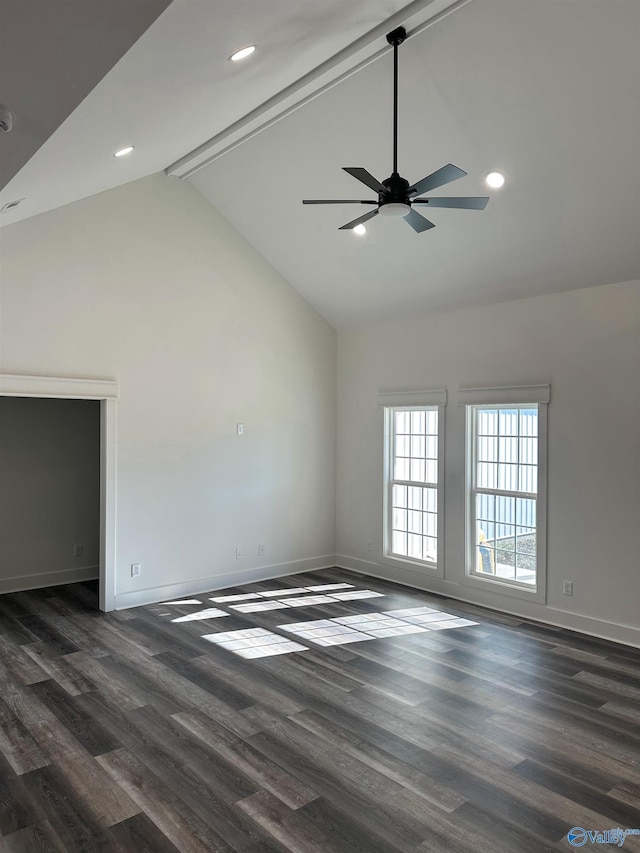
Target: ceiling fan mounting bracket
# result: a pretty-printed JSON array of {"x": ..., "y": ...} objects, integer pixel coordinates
[{"x": 397, "y": 36}]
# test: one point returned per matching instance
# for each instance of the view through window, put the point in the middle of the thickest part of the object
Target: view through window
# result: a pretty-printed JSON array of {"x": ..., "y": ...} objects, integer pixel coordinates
[{"x": 504, "y": 488}]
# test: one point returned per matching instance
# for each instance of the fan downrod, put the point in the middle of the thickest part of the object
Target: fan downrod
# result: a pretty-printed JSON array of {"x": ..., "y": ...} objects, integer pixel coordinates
[{"x": 395, "y": 196}]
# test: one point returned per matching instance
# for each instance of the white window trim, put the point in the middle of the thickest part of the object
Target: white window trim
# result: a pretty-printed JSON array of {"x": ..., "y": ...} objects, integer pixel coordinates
[
  {"x": 387, "y": 402},
  {"x": 504, "y": 395},
  {"x": 539, "y": 395},
  {"x": 411, "y": 399}
]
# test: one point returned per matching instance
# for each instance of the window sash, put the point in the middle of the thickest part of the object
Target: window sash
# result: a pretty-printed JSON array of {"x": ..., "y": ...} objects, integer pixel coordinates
[
  {"x": 392, "y": 481},
  {"x": 474, "y": 490}
]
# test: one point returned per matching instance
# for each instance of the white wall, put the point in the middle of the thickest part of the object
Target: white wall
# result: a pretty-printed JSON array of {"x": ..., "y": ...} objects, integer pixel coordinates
[
  {"x": 586, "y": 344},
  {"x": 49, "y": 491},
  {"x": 147, "y": 284}
]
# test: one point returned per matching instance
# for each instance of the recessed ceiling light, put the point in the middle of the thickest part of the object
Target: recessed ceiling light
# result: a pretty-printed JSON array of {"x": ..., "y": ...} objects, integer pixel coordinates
[
  {"x": 495, "y": 180},
  {"x": 360, "y": 229},
  {"x": 243, "y": 53},
  {"x": 123, "y": 151}
]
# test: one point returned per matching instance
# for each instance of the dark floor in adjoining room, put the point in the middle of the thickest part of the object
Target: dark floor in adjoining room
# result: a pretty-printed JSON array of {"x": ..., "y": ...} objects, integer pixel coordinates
[{"x": 397, "y": 721}]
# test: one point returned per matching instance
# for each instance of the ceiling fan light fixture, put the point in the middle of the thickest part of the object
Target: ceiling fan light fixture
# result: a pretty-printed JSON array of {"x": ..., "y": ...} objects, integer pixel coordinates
[
  {"x": 243, "y": 53},
  {"x": 360, "y": 230},
  {"x": 394, "y": 209},
  {"x": 495, "y": 180}
]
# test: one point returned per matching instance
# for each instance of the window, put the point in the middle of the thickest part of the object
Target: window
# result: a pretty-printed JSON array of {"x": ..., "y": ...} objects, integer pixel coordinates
[
  {"x": 413, "y": 493},
  {"x": 506, "y": 476}
]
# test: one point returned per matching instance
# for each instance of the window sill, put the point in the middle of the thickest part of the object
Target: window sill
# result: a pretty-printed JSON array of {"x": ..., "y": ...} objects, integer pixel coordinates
[
  {"x": 416, "y": 566},
  {"x": 491, "y": 583}
]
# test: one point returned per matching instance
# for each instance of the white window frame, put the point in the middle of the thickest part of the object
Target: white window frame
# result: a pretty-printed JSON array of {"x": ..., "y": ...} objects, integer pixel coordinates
[
  {"x": 523, "y": 395},
  {"x": 390, "y": 402}
]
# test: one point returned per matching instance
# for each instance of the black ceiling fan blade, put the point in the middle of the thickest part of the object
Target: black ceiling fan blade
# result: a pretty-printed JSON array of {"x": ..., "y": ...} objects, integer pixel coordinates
[
  {"x": 359, "y": 220},
  {"x": 443, "y": 176},
  {"x": 418, "y": 222},
  {"x": 336, "y": 201},
  {"x": 463, "y": 202},
  {"x": 366, "y": 178}
]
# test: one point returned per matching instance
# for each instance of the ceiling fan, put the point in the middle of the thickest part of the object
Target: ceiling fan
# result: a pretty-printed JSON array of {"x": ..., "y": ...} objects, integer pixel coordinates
[{"x": 396, "y": 197}]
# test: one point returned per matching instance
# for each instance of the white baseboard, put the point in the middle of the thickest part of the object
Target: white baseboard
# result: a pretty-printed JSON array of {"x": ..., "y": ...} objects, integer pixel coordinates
[
  {"x": 544, "y": 614},
  {"x": 25, "y": 582},
  {"x": 155, "y": 594}
]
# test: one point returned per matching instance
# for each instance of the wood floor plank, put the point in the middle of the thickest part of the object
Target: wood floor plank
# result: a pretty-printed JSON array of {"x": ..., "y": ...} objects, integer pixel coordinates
[
  {"x": 207, "y": 678},
  {"x": 15, "y": 811},
  {"x": 23, "y": 668},
  {"x": 579, "y": 791},
  {"x": 113, "y": 635},
  {"x": 59, "y": 669},
  {"x": 511, "y": 834},
  {"x": 545, "y": 813},
  {"x": 431, "y": 730},
  {"x": 383, "y": 762},
  {"x": 627, "y": 792},
  {"x": 317, "y": 826},
  {"x": 49, "y": 635},
  {"x": 575, "y": 729},
  {"x": 17, "y": 743},
  {"x": 60, "y": 621},
  {"x": 131, "y": 733},
  {"x": 345, "y": 782},
  {"x": 49, "y": 796},
  {"x": 88, "y": 731},
  {"x": 173, "y": 817},
  {"x": 36, "y": 838},
  {"x": 552, "y": 748},
  {"x": 138, "y": 834},
  {"x": 265, "y": 773},
  {"x": 107, "y": 680},
  {"x": 181, "y": 748},
  {"x": 207, "y": 783},
  {"x": 266, "y": 689},
  {"x": 104, "y": 803}
]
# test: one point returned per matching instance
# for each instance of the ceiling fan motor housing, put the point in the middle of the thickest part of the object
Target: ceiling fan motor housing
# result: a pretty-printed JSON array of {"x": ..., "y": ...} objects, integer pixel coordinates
[
  {"x": 397, "y": 189},
  {"x": 395, "y": 199}
]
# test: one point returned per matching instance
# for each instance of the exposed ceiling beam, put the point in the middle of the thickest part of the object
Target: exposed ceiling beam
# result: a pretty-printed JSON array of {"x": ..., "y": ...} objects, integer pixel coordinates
[{"x": 416, "y": 17}]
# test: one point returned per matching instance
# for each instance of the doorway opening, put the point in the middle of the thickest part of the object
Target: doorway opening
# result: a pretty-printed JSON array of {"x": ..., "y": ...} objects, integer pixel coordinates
[{"x": 105, "y": 393}]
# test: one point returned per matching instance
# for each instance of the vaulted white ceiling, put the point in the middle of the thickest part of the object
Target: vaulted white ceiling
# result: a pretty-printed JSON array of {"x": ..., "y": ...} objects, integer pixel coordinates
[
  {"x": 176, "y": 88},
  {"x": 52, "y": 54},
  {"x": 548, "y": 92}
]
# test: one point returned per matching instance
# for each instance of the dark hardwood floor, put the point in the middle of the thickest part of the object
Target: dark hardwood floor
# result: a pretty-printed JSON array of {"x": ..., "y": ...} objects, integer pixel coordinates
[{"x": 437, "y": 726}]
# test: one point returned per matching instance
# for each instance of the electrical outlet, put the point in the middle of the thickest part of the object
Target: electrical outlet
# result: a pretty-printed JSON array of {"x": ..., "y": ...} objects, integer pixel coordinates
[
  {"x": 77, "y": 550},
  {"x": 260, "y": 550},
  {"x": 239, "y": 553},
  {"x": 240, "y": 429},
  {"x": 369, "y": 546},
  {"x": 567, "y": 588},
  {"x": 135, "y": 570}
]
